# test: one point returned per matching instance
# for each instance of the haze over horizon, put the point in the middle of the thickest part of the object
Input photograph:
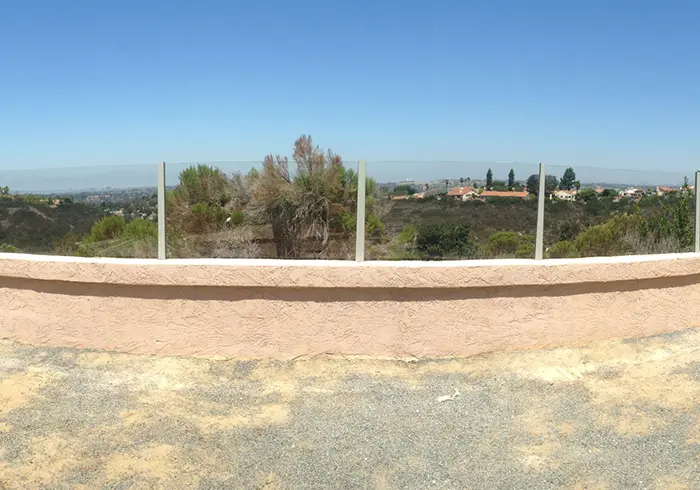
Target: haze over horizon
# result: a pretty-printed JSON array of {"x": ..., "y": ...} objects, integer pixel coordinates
[
  {"x": 608, "y": 85},
  {"x": 129, "y": 176}
]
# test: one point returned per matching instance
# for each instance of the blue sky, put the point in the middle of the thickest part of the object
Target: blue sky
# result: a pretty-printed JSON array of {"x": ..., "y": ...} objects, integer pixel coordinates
[{"x": 613, "y": 84}]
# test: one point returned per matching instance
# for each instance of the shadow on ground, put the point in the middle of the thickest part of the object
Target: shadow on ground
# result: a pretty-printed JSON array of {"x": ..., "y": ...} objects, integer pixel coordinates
[{"x": 610, "y": 415}]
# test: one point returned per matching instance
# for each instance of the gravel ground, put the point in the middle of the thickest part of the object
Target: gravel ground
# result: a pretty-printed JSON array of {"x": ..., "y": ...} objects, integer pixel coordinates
[{"x": 610, "y": 415}]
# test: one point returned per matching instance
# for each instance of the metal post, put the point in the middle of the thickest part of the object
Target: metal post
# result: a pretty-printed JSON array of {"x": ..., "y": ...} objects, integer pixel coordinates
[
  {"x": 361, "y": 200},
  {"x": 697, "y": 212},
  {"x": 161, "y": 211},
  {"x": 539, "y": 240}
]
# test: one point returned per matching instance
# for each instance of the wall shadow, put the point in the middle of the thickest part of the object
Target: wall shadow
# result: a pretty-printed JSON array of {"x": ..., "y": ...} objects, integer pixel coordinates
[{"x": 324, "y": 295}]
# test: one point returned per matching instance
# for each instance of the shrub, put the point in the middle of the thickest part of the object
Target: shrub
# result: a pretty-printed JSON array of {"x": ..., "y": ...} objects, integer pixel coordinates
[
  {"x": 6, "y": 248},
  {"x": 107, "y": 228},
  {"x": 526, "y": 250},
  {"x": 607, "y": 238},
  {"x": 444, "y": 241},
  {"x": 141, "y": 229},
  {"x": 569, "y": 230},
  {"x": 504, "y": 244},
  {"x": 373, "y": 225},
  {"x": 237, "y": 218},
  {"x": 563, "y": 249}
]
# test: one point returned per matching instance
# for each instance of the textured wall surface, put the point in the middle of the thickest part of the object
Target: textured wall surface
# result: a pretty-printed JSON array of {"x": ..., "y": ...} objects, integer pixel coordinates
[{"x": 292, "y": 308}]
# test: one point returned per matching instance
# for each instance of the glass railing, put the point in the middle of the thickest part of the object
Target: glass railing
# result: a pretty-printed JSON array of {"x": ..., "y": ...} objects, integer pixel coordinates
[
  {"x": 605, "y": 212},
  {"x": 450, "y": 211},
  {"x": 274, "y": 210},
  {"x": 280, "y": 210},
  {"x": 100, "y": 211}
]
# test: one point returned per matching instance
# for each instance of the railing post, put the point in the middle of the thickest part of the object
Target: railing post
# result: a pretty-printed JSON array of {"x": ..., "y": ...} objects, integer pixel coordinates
[
  {"x": 697, "y": 212},
  {"x": 161, "y": 211},
  {"x": 361, "y": 200},
  {"x": 539, "y": 239}
]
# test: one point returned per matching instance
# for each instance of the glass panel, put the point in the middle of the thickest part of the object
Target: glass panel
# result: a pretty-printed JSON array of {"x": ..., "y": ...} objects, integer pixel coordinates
[
  {"x": 450, "y": 211},
  {"x": 604, "y": 212},
  {"x": 101, "y": 211},
  {"x": 252, "y": 210}
]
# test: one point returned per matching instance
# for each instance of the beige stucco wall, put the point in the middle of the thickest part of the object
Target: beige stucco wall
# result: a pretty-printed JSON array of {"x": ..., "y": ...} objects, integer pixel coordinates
[{"x": 261, "y": 308}]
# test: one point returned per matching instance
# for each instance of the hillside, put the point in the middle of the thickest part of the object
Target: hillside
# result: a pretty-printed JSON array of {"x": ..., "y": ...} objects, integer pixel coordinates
[
  {"x": 35, "y": 227},
  {"x": 485, "y": 218}
]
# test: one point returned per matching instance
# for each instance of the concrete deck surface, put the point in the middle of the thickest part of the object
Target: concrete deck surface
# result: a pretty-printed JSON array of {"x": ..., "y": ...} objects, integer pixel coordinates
[{"x": 611, "y": 415}]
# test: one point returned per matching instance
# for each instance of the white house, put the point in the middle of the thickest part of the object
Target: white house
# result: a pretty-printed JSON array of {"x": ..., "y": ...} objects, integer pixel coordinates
[{"x": 565, "y": 195}]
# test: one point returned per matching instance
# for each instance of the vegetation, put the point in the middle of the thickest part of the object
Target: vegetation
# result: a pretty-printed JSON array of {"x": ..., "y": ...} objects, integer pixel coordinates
[
  {"x": 533, "y": 184},
  {"x": 568, "y": 180},
  {"x": 308, "y": 209},
  {"x": 408, "y": 190},
  {"x": 442, "y": 241}
]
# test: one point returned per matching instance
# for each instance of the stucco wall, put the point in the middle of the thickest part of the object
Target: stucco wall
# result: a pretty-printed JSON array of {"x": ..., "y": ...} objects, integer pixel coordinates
[{"x": 259, "y": 308}]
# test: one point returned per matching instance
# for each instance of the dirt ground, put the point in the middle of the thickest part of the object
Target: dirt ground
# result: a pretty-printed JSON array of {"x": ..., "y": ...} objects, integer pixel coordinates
[{"x": 611, "y": 415}]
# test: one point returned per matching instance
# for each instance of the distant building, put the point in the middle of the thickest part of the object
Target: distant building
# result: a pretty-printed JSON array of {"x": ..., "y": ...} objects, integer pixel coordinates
[
  {"x": 459, "y": 192},
  {"x": 520, "y": 194},
  {"x": 565, "y": 195},
  {"x": 631, "y": 192},
  {"x": 663, "y": 190}
]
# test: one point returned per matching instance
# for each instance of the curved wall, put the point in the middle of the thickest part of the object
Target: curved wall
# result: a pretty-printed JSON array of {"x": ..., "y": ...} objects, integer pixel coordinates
[{"x": 270, "y": 308}]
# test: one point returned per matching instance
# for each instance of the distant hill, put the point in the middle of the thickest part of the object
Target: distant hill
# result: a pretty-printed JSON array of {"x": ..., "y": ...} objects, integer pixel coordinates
[{"x": 35, "y": 227}]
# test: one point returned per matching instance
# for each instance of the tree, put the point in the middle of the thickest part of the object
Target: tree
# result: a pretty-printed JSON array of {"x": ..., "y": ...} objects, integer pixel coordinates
[
  {"x": 489, "y": 179},
  {"x": 683, "y": 227},
  {"x": 568, "y": 180},
  {"x": 511, "y": 179},
  {"x": 461, "y": 181},
  {"x": 533, "y": 184},
  {"x": 4, "y": 191},
  {"x": 577, "y": 185},
  {"x": 305, "y": 207},
  {"x": 404, "y": 189},
  {"x": 587, "y": 195}
]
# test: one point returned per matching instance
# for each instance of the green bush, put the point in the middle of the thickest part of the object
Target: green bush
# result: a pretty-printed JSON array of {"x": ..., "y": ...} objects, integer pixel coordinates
[
  {"x": 607, "y": 238},
  {"x": 203, "y": 184},
  {"x": 107, "y": 228},
  {"x": 526, "y": 250},
  {"x": 237, "y": 218},
  {"x": 407, "y": 235},
  {"x": 374, "y": 226},
  {"x": 6, "y": 248},
  {"x": 205, "y": 217},
  {"x": 563, "y": 249},
  {"x": 444, "y": 241},
  {"x": 141, "y": 229},
  {"x": 508, "y": 243}
]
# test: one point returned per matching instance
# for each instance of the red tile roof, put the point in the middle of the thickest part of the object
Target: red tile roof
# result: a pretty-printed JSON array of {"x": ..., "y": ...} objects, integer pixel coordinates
[
  {"x": 521, "y": 194},
  {"x": 459, "y": 191}
]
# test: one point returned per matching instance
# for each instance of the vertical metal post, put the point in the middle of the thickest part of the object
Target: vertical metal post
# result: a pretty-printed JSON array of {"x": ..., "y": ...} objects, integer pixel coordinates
[
  {"x": 539, "y": 239},
  {"x": 697, "y": 212},
  {"x": 161, "y": 211},
  {"x": 361, "y": 200}
]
